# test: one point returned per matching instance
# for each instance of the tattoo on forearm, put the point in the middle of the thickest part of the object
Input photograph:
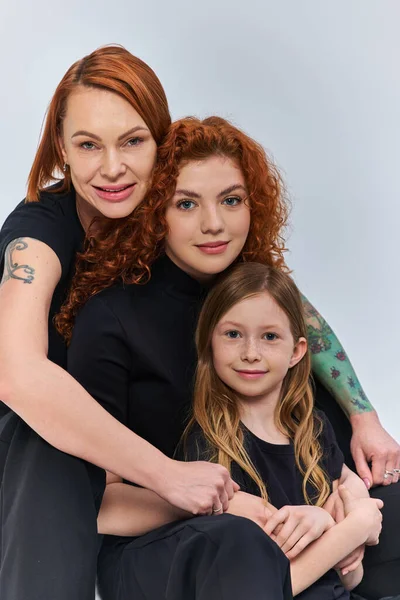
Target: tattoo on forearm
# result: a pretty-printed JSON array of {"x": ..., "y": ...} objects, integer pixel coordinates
[
  {"x": 331, "y": 364},
  {"x": 12, "y": 268}
]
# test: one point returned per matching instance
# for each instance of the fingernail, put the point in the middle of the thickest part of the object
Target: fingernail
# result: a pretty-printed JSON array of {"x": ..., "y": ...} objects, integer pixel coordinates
[
  {"x": 367, "y": 483},
  {"x": 344, "y": 572}
]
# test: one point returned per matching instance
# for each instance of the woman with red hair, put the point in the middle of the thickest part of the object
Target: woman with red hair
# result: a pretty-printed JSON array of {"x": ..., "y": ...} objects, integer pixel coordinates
[
  {"x": 107, "y": 117},
  {"x": 216, "y": 199}
]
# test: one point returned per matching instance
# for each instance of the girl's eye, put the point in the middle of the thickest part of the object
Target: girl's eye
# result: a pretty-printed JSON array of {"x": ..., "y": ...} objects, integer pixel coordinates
[
  {"x": 270, "y": 336},
  {"x": 232, "y": 201},
  {"x": 88, "y": 145},
  {"x": 233, "y": 335},
  {"x": 186, "y": 204},
  {"x": 134, "y": 141}
]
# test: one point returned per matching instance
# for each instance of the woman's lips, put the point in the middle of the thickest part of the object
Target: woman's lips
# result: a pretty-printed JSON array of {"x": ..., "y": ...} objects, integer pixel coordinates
[
  {"x": 250, "y": 374},
  {"x": 114, "y": 193},
  {"x": 213, "y": 247}
]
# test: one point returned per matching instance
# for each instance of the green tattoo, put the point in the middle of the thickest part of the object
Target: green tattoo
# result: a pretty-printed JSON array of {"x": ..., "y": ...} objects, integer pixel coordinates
[
  {"x": 12, "y": 269},
  {"x": 331, "y": 364}
]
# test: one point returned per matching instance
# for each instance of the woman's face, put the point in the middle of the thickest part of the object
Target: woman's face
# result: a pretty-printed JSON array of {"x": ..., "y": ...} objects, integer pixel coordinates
[
  {"x": 208, "y": 218},
  {"x": 109, "y": 150}
]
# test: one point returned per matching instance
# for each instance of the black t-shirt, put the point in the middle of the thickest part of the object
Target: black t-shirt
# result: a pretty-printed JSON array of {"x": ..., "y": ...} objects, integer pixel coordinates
[
  {"x": 275, "y": 463},
  {"x": 277, "y": 467},
  {"x": 133, "y": 350},
  {"x": 54, "y": 221}
]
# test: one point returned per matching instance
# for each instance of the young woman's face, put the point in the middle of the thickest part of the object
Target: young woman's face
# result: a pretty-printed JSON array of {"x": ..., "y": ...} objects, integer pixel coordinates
[
  {"x": 109, "y": 150},
  {"x": 207, "y": 217},
  {"x": 253, "y": 347}
]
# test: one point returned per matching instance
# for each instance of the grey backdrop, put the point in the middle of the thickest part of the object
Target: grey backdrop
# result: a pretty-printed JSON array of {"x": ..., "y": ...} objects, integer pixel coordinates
[{"x": 316, "y": 82}]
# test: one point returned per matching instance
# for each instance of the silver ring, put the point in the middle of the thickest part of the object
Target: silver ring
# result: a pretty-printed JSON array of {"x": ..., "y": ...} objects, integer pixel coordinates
[
  {"x": 387, "y": 473},
  {"x": 396, "y": 470},
  {"x": 217, "y": 510}
]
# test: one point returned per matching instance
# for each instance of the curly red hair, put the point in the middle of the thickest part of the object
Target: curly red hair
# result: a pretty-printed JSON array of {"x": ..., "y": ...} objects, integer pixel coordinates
[{"x": 126, "y": 248}]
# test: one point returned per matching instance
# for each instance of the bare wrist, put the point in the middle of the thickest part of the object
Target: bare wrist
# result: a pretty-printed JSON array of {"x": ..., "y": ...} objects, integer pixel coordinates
[
  {"x": 370, "y": 416},
  {"x": 358, "y": 531},
  {"x": 161, "y": 474}
]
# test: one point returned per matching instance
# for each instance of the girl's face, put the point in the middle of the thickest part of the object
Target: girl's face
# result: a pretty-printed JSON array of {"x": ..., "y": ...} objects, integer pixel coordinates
[
  {"x": 253, "y": 347},
  {"x": 207, "y": 217},
  {"x": 109, "y": 150}
]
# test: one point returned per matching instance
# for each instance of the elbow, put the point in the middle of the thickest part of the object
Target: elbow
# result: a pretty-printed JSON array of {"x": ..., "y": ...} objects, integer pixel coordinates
[{"x": 16, "y": 377}]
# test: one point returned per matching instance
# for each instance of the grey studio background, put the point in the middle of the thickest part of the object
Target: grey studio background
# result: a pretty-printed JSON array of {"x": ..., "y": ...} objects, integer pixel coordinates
[{"x": 317, "y": 83}]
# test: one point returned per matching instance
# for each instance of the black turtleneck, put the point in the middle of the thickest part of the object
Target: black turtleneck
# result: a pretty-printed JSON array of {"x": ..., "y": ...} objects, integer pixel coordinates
[{"x": 133, "y": 350}]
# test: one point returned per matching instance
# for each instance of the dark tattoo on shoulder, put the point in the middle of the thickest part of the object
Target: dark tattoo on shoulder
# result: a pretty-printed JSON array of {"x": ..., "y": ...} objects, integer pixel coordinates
[{"x": 12, "y": 268}]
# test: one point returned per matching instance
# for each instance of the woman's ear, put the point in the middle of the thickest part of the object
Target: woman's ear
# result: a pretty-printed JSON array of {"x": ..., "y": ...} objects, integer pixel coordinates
[
  {"x": 299, "y": 351},
  {"x": 62, "y": 147}
]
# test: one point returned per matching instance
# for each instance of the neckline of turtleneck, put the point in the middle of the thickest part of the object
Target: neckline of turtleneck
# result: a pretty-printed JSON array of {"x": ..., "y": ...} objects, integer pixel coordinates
[{"x": 179, "y": 283}]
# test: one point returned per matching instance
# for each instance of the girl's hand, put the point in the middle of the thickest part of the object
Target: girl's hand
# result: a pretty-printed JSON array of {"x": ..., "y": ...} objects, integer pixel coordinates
[
  {"x": 351, "y": 562},
  {"x": 367, "y": 511},
  {"x": 334, "y": 506},
  {"x": 299, "y": 526},
  {"x": 251, "y": 507}
]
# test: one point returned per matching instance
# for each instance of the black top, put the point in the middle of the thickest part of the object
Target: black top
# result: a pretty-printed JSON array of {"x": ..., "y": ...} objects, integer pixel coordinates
[
  {"x": 54, "y": 221},
  {"x": 133, "y": 350},
  {"x": 275, "y": 463},
  {"x": 277, "y": 467}
]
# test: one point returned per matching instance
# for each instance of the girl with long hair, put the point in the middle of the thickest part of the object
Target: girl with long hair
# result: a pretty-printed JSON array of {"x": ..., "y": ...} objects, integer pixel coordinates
[
  {"x": 253, "y": 412},
  {"x": 130, "y": 319}
]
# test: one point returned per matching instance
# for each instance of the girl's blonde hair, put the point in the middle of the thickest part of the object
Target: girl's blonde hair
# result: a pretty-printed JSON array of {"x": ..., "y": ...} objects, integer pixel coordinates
[{"x": 216, "y": 406}]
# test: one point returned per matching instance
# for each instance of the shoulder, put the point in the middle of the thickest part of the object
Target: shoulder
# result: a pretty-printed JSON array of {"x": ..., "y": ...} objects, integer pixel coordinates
[
  {"x": 51, "y": 205},
  {"x": 52, "y": 220}
]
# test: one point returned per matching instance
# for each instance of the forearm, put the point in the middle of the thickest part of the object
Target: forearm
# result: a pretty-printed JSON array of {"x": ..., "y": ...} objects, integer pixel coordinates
[
  {"x": 325, "y": 553},
  {"x": 127, "y": 510},
  {"x": 58, "y": 408},
  {"x": 331, "y": 364}
]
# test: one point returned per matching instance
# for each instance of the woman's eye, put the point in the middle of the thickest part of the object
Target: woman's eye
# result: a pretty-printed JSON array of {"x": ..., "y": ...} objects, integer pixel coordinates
[
  {"x": 233, "y": 335},
  {"x": 186, "y": 204},
  {"x": 270, "y": 336},
  {"x": 134, "y": 141},
  {"x": 88, "y": 145},
  {"x": 232, "y": 201}
]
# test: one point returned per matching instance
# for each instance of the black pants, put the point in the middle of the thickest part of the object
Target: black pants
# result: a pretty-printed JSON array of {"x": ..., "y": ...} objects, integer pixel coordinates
[
  {"x": 48, "y": 511},
  {"x": 205, "y": 558},
  {"x": 382, "y": 562}
]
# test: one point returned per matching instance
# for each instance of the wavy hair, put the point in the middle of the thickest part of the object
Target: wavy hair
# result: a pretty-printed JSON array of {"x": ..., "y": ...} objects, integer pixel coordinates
[
  {"x": 110, "y": 68},
  {"x": 216, "y": 406},
  {"x": 125, "y": 249}
]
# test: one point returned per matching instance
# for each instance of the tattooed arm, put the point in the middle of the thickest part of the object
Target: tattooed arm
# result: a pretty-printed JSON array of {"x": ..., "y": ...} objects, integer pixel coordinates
[
  {"x": 370, "y": 442},
  {"x": 331, "y": 364},
  {"x": 59, "y": 409}
]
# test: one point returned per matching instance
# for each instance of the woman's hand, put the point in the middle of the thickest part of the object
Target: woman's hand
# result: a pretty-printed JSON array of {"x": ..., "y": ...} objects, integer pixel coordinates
[
  {"x": 371, "y": 443},
  {"x": 201, "y": 488},
  {"x": 300, "y": 525}
]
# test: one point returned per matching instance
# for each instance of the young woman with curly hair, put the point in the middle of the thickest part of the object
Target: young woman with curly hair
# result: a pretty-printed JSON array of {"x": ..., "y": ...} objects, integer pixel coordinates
[
  {"x": 216, "y": 199},
  {"x": 106, "y": 118}
]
